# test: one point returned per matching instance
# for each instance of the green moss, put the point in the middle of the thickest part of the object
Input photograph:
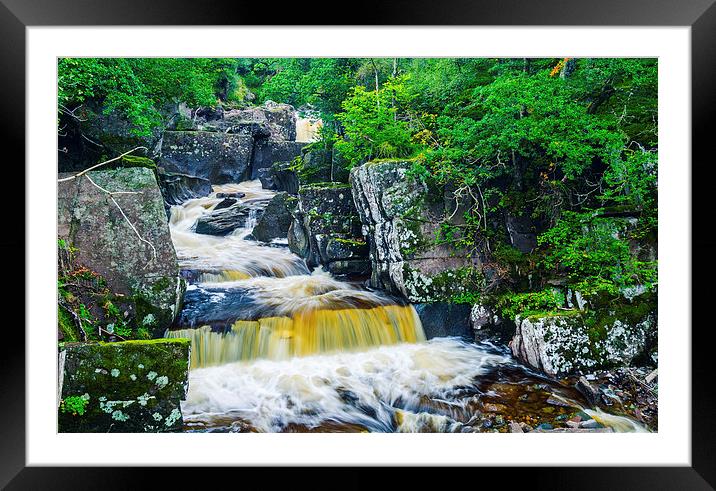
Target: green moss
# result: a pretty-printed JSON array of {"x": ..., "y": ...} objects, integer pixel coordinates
[
  {"x": 161, "y": 284},
  {"x": 137, "y": 161},
  {"x": 125, "y": 384},
  {"x": 547, "y": 302},
  {"x": 326, "y": 185},
  {"x": 391, "y": 161},
  {"x": 610, "y": 309},
  {"x": 146, "y": 342},
  {"x": 534, "y": 315},
  {"x": 352, "y": 242},
  {"x": 145, "y": 307},
  {"x": 66, "y": 325}
]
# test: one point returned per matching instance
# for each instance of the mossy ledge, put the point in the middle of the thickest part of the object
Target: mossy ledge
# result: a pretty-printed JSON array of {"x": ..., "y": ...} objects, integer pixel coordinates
[{"x": 129, "y": 387}]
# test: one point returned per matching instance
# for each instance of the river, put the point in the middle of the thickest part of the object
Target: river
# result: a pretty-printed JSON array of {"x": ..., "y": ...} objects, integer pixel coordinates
[{"x": 279, "y": 348}]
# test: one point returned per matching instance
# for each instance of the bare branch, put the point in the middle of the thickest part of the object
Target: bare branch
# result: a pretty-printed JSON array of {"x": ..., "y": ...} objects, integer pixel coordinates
[
  {"x": 154, "y": 250},
  {"x": 100, "y": 165}
]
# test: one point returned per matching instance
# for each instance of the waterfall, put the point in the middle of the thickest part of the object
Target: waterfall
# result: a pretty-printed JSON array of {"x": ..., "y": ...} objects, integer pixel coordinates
[
  {"x": 251, "y": 220},
  {"x": 289, "y": 312},
  {"x": 307, "y": 129},
  {"x": 307, "y": 333}
]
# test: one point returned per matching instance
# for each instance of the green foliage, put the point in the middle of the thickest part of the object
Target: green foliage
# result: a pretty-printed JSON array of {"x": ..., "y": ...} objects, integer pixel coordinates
[
  {"x": 375, "y": 125},
  {"x": 466, "y": 297},
  {"x": 505, "y": 254},
  {"x": 140, "y": 87},
  {"x": 592, "y": 248},
  {"x": 632, "y": 185},
  {"x": 75, "y": 405},
  {"x": 545, "y": 301}
]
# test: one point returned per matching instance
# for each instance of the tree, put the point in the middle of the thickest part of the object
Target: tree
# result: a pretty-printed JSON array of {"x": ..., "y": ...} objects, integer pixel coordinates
[{"x": 139, "y": 88}]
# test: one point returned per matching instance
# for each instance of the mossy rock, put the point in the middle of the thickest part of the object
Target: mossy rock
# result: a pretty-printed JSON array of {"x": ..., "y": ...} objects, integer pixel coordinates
[
  {"x": 449, "y": 285},
  {"x": 128, "y": 387},
  {"x": 326, "y": 185},
  {"x": 104, "y": 232},
  {"x": 571, "y": 341}
]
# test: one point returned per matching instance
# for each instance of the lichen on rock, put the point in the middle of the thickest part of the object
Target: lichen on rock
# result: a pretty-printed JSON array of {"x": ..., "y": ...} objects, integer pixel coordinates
[
  {"x": 118, "y": 400},
  {"x": 574, "y": 342},
  {"x": 401, "y": 217}
]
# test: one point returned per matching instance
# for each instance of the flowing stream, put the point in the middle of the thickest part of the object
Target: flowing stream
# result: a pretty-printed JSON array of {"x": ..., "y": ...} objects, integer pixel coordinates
[{"x": 279, "y": 348}]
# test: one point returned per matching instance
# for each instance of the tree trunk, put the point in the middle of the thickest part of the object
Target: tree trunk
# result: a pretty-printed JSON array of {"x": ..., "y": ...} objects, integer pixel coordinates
[{"x": 377, "y": 86}]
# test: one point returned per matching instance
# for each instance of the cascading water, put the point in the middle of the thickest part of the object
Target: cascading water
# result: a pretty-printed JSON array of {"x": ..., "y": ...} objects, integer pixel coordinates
[
  {"x": 276, "y": 347},
  {"x": 283, "y": 311}
]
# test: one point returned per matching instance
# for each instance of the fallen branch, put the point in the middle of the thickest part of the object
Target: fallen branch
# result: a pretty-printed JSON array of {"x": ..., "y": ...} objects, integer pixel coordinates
[
  {"x": 110, "y": 333},
  {"x": 64, "y": 179},
  {"x": 154, "y": 250}
]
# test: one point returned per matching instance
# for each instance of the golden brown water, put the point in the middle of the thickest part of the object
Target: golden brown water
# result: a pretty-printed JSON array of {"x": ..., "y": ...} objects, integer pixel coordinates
[{"x": 307, "y": 333}]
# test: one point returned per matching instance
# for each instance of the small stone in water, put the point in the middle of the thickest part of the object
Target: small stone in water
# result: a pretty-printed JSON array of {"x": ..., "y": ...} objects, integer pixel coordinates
[
  {"x": 590, "y": 424},
  {"x": 515, "y": 428}
]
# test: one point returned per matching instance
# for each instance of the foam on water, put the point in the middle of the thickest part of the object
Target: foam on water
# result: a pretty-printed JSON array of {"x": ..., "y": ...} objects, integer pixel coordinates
[{"x": 366, "y": 388}]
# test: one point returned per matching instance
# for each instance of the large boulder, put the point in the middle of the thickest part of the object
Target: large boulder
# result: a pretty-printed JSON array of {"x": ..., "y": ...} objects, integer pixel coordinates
[
  {"x": 178, "y": 188},
  {"x": 276, "y": 218},
  {"x": 574, "y": 342},
  {"x": 268, "y": 152},
  {"x": 106, "y": 239},
  {"x": 202, "y": 309},
  {"x": 218, "y": 157},
  {"x": 127, "y": 387},
  {"x": 442, "y": 319},
  {"x": 327, "y": 215},
  {"x": 401, "y": 216},
  {"x": 278, "y": 121},
  {"x": 222, "y": 221},
  {"x": 280, "y": 177}
]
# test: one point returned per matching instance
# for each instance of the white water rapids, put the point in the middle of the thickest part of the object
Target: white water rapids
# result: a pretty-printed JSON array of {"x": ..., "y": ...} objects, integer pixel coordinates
[{"x": 319, "y": 354}]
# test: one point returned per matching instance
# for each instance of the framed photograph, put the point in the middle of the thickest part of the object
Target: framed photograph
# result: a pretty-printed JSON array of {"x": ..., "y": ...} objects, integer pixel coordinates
[{"x": 278, "y": 245}]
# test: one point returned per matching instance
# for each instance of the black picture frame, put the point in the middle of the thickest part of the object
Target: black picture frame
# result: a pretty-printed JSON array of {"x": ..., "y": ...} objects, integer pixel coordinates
[{"x": 16, "y": 15}]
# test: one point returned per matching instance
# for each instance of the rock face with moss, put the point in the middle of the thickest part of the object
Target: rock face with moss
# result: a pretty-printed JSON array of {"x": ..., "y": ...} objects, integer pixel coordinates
[
  {"x": 318, "y": 163},
  {"x": 266, "y": 152},
  {"x": 577, "y": 341},
  {"x": 281, "y": 176},
  {"x": 326, "y": 230},
  {"x": 271, "y": 120},
  {"x": 401, "y": 216},
  {"x": 126, "y": 387},
  {"x": 218, "y": 157},
  {"x": 143, "y": 271}
]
